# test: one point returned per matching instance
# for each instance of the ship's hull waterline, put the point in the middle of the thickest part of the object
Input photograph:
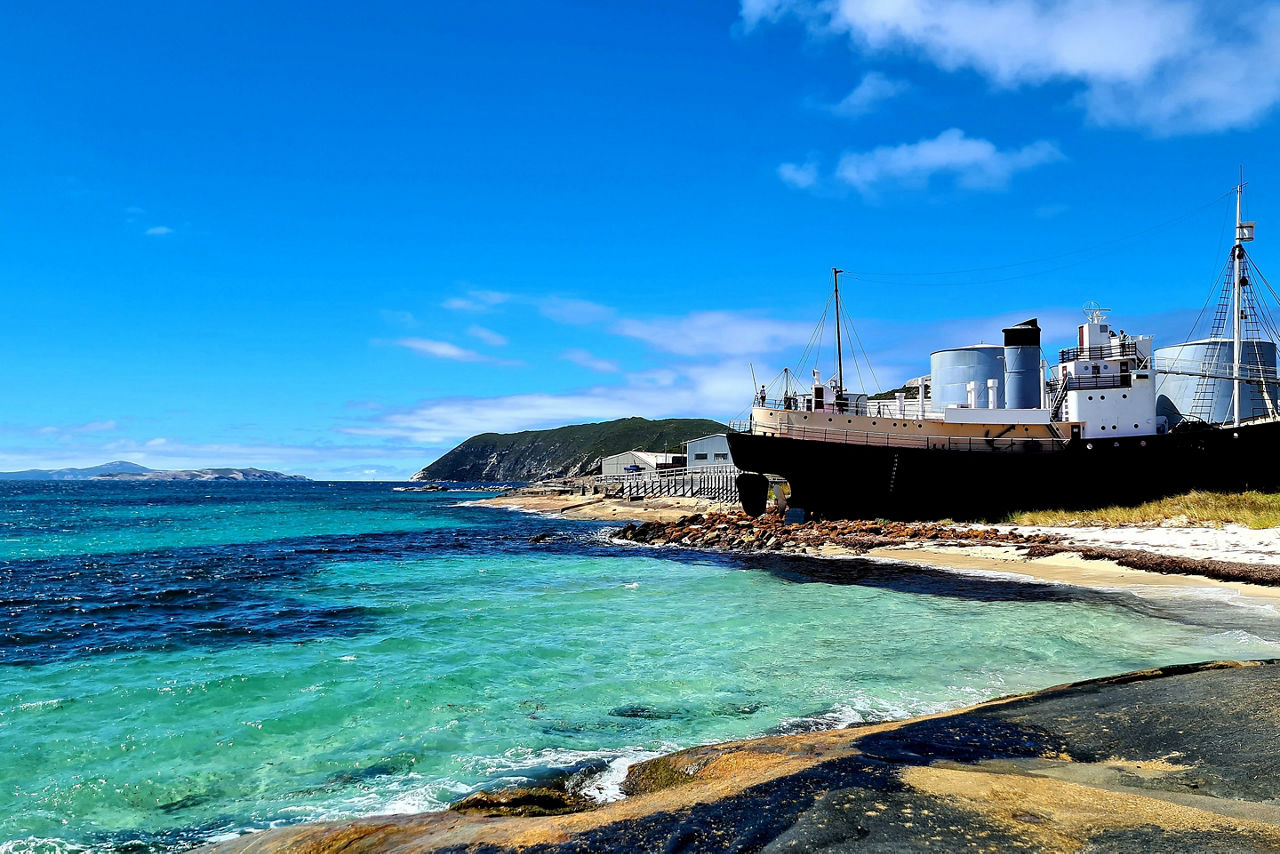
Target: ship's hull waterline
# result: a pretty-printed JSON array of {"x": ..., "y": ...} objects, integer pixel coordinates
[{"x": 836, "y": 480}]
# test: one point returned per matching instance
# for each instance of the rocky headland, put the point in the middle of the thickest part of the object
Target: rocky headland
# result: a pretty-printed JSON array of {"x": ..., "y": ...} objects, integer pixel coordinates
[
  {"x": 562, "y": 451},
  {"x": 213, "y": 474},
  {"x": 1174, "y": 759}
]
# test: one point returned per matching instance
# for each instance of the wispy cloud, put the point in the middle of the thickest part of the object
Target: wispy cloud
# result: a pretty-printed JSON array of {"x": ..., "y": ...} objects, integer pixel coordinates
[
  {"x": 476, "y": 300},
  {"x": 716, "y": 333},
  {"x": 574, "y": 312},
  {"x": 721, "y": 389},
  {"x": 801, "y": 176},
  {"x": 584, "y": 359},
  {"x": 446, "y": 350},
  {"x": 1174, "y": 66},
  {"x": 405, "y": 319},
  {"x": 871, "y": 91},
  {"x": 158, "y": 231},
  {"x": 488, "y": 336},
  {"x": 974, "y": 163}
]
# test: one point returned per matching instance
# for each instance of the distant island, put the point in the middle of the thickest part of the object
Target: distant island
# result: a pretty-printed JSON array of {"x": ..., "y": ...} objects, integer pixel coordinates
[
  {"x": 562, "y": 451},
  {"x": 124, "y": 470}
]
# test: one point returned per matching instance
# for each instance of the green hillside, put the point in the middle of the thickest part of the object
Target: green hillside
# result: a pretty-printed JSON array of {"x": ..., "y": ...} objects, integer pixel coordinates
[{"x": 562, "y": 451}]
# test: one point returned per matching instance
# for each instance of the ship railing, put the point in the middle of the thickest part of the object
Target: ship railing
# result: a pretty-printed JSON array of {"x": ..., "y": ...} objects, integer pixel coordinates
[
  {"x": 907, "y": 440},
  {"x": 1115, "y": 350},
  {"x": 889, "y": 408},
  {"x": 804, "y": 403},
  {"x": 1092, "y": 383}
]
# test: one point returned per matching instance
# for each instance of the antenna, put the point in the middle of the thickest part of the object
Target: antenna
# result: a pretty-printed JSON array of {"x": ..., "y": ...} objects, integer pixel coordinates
[
  {"x": 835, "y": 279},
  {"x": 1237, "y": 255}
]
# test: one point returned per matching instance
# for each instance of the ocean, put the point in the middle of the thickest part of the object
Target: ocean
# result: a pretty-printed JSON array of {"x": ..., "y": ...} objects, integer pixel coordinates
[{"x": 184, "y": 662}]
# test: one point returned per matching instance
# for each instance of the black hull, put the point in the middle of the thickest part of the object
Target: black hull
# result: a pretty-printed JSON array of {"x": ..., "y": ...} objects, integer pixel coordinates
[{"x": 833, "y": 480}]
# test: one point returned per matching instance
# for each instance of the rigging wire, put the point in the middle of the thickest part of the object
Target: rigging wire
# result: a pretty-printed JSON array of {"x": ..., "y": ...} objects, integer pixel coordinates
[{"x": 1107, "y": 243}]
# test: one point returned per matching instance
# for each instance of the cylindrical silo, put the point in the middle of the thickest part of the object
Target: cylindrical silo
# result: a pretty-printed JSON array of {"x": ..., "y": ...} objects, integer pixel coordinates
[
  {"x": 952, "y": 370},
  {"x": 1022, "y": 365},
  {"x": 1181, "y": 395}
]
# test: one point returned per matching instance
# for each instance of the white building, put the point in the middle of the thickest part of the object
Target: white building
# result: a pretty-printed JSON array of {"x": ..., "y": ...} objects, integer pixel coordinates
[
  {"x": 710, "y": 450},
  {"x": 630, "y": 462}
]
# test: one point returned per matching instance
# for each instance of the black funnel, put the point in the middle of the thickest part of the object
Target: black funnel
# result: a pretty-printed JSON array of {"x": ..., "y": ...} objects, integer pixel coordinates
[{"x": 1025, "y": 334}]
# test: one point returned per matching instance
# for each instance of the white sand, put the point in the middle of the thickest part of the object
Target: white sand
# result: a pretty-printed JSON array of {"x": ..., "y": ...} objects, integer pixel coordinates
[{"x": 1229, "y": 542}]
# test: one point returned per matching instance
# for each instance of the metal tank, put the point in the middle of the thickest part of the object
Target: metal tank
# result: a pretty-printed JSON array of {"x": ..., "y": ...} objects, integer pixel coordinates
[
  {"x": 1022, "y": 377},
  {"x": 952, "y": 370},
  {"x": 1181, "y": 397}
]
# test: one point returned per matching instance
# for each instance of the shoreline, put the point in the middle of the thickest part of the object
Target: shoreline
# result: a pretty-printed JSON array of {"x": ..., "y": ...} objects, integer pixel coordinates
[
  {"x": 1082, "y": 557},
  {"x": 1184, "y": 761}
]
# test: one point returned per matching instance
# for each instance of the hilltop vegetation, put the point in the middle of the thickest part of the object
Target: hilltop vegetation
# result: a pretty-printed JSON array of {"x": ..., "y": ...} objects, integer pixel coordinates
[{"x": 562, "y": 451}]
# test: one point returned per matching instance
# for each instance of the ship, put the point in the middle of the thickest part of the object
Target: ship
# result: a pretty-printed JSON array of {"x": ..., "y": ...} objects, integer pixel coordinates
[{"x": 995, "y": 429}]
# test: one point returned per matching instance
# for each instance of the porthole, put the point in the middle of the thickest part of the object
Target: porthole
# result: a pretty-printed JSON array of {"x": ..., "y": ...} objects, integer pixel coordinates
[
  {"x": 806, "y": 418},
  {"x": 1135, "y": 426},
  {"x": 920, "y": 426},
  {"x": 1091, "y": 397},
  {"x": 1104, "y": 426},
  {"x": 895, "y": 424},
  {"x": 1113, "y": 427},
  {"x": 850, "y": 420},
  {"x": 828, "y": 419},
  {"x": 1123, "y": 396},
  {"x": 1089, "y": 446},
  {"x": 1102, "y": 397},
  {"x": 873, "y": 423}
]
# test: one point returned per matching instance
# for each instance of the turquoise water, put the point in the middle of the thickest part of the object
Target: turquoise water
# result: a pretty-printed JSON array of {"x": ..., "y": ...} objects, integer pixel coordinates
[{"x": 277, "y": 653}]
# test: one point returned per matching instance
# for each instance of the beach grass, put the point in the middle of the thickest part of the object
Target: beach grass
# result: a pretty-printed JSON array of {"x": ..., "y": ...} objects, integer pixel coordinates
[{"x": 1252, "y": 509}]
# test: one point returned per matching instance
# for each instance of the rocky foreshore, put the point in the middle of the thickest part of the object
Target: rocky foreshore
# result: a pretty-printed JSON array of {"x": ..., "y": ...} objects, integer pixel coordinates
[
  {"x": 1174, "y": 759},
  {"x": 772, "y": 533}
]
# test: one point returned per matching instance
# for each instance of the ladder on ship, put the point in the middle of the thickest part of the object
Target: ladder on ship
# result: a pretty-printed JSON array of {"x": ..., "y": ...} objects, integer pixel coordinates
[{"x": 1202, "y": 401}]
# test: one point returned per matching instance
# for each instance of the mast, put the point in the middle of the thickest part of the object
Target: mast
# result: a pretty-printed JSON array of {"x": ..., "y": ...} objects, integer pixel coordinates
[
  {"x": 835, "y": 279},
  {"x": 1237, "y": 254}
]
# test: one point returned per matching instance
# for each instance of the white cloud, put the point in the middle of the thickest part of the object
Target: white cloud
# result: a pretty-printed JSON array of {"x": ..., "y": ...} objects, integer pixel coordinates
[
  {"x": 716, "y": 333},
  {"x": 159, "y": 231},
  {"x": 975, "y": 163},
  {"x": 586, "y": 360},
  {"x": 801, "y": 177},
  {"x": 488, "y": 336},
  {"x": 870, "y": 91},
  {"x": 710, "y": 391},
  {"x": 445, "y": 350},
  {"x": 574, "y": 312},
  {"x": 1170, "y": 65},
  {"x": 476, "y": 300}
]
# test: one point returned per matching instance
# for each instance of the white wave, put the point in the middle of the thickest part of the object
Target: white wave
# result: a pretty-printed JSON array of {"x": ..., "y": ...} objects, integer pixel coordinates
[
  {"x": 40, "y": 704},
  {"x": 41, "y": 845}
]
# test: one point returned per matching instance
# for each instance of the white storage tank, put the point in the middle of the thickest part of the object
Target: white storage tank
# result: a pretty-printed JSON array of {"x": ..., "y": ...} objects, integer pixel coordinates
[
  {"x": 953, "y": 369},
  {"x": 1180, "y": 397}
]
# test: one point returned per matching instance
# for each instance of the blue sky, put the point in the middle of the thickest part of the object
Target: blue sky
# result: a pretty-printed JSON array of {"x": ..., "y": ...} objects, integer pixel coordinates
[{"x": 338, "y": 239}]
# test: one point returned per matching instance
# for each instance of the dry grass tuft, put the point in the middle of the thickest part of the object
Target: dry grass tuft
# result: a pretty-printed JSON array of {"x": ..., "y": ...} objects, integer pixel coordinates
[{"x": 1252, "y": 509}]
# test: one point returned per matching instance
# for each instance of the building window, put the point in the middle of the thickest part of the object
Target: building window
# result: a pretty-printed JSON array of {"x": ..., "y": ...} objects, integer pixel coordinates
[
  {"x": 699, "y": 456},
  {"x": 724, "y": 457}
]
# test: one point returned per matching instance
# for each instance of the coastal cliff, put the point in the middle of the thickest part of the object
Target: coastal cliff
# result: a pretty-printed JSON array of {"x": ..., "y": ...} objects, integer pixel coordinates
[
  {"x": 1177, "y": 758},
  {"x": 560, "y": 452}
]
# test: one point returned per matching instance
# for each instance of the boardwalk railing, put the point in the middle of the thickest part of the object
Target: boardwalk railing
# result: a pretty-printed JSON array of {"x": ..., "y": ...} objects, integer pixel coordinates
[{"x": 715, "y": 483}]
